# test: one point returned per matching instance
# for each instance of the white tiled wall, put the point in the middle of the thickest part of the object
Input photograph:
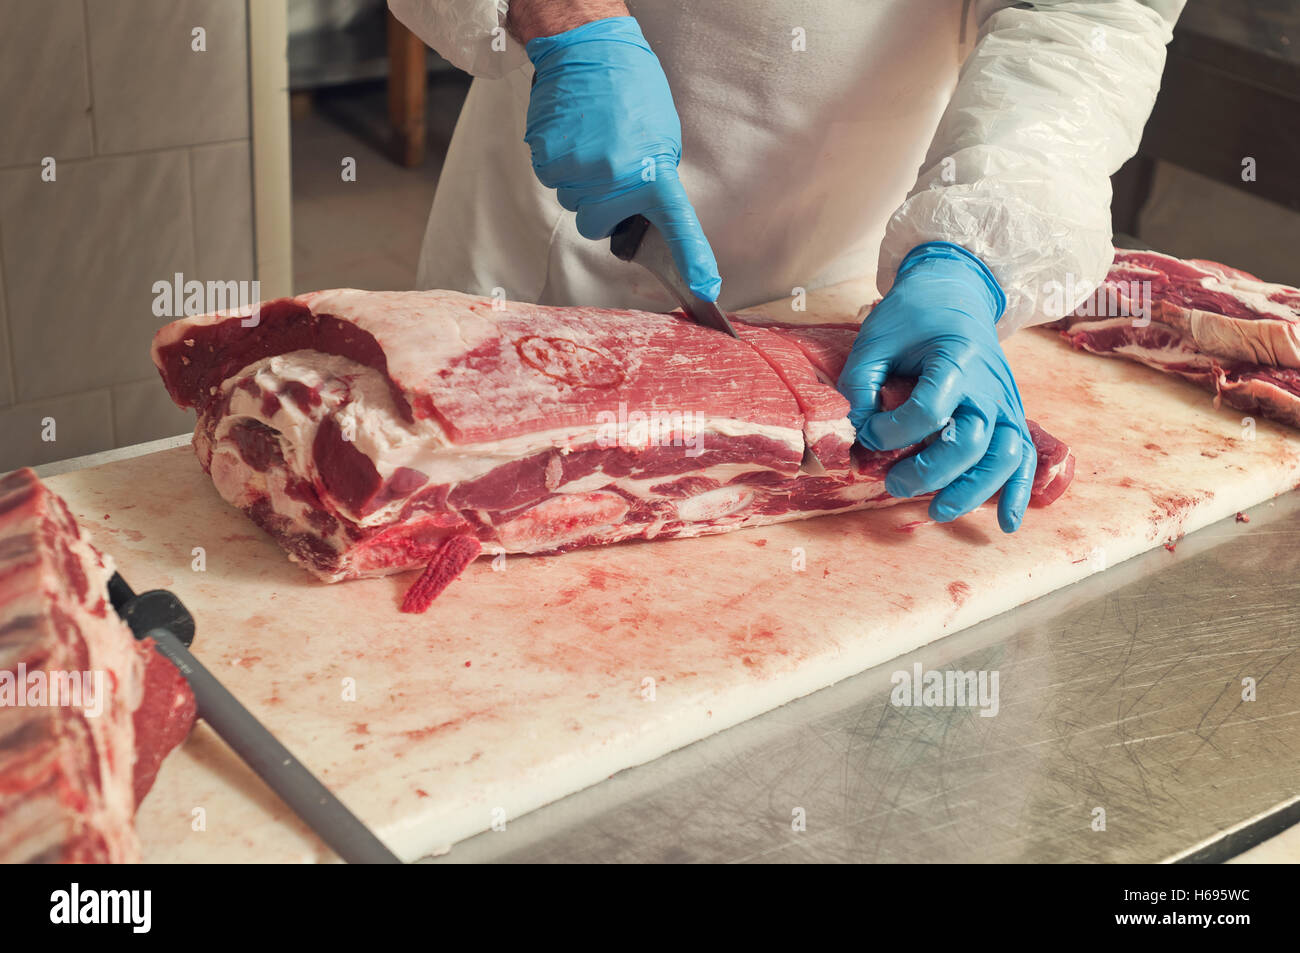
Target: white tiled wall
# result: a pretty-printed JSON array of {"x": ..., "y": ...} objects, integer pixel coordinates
[{"x": 152, "y": 151}]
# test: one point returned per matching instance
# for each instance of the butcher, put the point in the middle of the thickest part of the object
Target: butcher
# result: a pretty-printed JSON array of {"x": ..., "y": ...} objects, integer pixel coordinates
[{"x": 962, "y": 148}]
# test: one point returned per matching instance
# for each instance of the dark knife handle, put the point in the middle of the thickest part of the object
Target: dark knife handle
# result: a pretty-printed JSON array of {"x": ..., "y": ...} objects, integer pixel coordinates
[{"x": 626, "y": 237}]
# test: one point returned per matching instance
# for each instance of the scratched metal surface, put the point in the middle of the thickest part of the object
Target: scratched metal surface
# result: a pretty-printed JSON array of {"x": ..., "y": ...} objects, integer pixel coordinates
[{"x": 1122, "y": 692}]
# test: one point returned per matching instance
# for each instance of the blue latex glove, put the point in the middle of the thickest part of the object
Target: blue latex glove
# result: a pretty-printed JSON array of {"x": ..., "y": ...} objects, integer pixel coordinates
[
  {"x": 604, "y": 132},
  {"x": 939, "y": 324}
]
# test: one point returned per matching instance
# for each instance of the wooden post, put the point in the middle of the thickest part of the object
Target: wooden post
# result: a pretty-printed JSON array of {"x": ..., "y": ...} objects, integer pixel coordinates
[{"x": 407, "y": 79}]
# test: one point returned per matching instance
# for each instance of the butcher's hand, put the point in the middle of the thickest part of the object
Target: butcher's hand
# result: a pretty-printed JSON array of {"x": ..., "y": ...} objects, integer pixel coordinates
[
  {"x": 605, "y": 134},
  {"x": 938, "y": 323}
]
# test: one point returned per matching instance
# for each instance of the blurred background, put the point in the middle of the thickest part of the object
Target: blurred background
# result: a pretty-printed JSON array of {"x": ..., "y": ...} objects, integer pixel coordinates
[{"x": 130, "y": 154}]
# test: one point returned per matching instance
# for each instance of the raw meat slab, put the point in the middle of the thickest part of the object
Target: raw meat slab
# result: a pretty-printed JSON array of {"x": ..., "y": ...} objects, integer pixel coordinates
[
  {"x": 1219, "y": 327},
  {"x": 525, "y": 683},
  {"x": 73, "y": 769},
  {"x": 365, "y": 430}
]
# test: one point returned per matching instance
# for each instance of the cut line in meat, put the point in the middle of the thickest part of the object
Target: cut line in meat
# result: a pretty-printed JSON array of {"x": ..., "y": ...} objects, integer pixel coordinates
[
  {"x": 361, "y": 429},
  {"x": 73, "y": 772},
  {"x": 1218, "y": 327}
]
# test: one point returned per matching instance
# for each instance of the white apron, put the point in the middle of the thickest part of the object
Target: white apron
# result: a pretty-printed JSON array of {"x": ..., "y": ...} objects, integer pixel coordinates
[
  {"x": 823, "y": 140},
  {"x": 795, "y": 151}
]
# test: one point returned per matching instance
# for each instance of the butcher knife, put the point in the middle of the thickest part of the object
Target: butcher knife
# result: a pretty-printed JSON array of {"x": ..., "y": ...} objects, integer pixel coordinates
[
  {"x": 159, "y": 615},
  {"x": 636, "y": 240}
]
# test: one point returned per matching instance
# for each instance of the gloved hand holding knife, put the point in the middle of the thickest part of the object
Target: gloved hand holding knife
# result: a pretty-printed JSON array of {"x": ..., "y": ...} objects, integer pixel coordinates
[{"x": 603, "y": 129}]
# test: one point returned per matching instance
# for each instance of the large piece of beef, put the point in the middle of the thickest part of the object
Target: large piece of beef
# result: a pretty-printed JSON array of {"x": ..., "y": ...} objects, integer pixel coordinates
[
  {"x": 1219, "y": 327},
  {"x": 365, "y": 429},
  {"x": 71, "y": 776}
]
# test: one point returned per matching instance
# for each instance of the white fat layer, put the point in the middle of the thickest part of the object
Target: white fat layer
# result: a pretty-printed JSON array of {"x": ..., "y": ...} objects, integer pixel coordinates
[
  {"x": 1261, "y": 341},
  {"x": 1177, "y": 351},
  {"x": 1163, "y": 357},
  {"x": 713, "y": 511},
  {"x": 840, "y": 427},
  {"x": 1253, "y": 295},
  {"x": 113, "y": 652},
  {"x": 360, "y": 401}
]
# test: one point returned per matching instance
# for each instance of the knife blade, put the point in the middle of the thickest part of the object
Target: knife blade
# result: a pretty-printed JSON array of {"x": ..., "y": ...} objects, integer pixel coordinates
[{"x": 636, "y": 240}]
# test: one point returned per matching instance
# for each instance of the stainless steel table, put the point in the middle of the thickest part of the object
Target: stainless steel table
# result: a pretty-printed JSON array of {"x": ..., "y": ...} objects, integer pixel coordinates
[{"x": 1122, "y": 692}]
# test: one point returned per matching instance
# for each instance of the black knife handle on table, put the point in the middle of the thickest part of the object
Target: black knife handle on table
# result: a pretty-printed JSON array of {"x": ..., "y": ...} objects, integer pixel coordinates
[
  {"x": 273, "y": 762},
  {"x": 626, "y": 237}
]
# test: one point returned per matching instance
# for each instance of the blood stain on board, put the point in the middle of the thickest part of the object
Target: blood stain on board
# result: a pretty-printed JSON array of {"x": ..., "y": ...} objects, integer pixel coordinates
[
  {"x": 134, "y": 535},
  {"x": 959, "y": 592},
  {"x": 1178, "y": 505},
  {"x": 755, "y": 645},
  {"x": 564, "y": 597},
  {"x": 419, "y": 734}
]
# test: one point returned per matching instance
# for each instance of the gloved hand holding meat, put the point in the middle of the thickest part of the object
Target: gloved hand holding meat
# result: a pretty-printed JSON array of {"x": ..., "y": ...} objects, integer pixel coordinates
[{"x": 938, "y": 324}]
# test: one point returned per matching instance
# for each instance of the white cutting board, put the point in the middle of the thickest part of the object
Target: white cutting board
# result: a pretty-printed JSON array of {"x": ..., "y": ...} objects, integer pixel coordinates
[{"x": 528, "y": 683}]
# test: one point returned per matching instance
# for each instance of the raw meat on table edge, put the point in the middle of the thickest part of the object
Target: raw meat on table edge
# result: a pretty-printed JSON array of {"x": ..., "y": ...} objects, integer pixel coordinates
[
  {"x": 1219, "y": 327},
  {"x": 70, "y": 780}
]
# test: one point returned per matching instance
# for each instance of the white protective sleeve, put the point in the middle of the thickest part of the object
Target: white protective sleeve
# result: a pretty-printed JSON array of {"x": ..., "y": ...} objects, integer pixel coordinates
[
  {"x": 1049, "y": 103},
  {"x": 469, "y": 34}
]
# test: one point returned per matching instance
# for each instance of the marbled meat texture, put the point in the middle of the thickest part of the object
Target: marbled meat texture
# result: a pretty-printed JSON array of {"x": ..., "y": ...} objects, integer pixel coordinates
[
  {"x": 361, "y": 429},
  {"x": 1219, "y": 327},
  {"x": 71, "y": 775}
]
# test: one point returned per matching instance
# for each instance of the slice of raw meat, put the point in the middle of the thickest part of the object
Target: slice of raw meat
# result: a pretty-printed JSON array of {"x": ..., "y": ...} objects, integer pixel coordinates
[
  {"x": 448, "y": 562},
  {"x": 363, "y": 429},
  {"x": 1245, "y": 352},
  {"x": 1273, "y": 392},
  {"x": 71, "y": 775},
  {"x": 1055, "y": 466},
  {"x": 1225, "y": 312}
]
